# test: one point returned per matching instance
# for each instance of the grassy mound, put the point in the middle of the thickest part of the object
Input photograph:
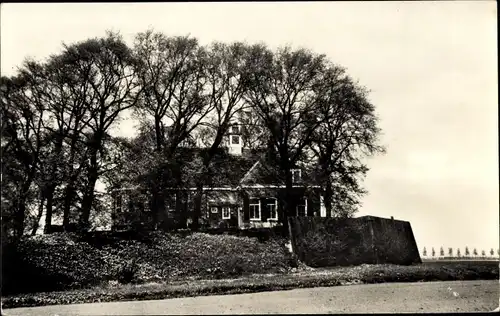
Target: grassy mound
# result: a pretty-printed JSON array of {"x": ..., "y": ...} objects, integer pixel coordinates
[
  {"x": 362, "y": 274},
  {"x": 64, "y": 261}
]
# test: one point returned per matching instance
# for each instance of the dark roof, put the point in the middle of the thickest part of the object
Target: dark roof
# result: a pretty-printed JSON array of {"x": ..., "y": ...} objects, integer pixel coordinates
[
  {"x": 266, "y": 172},
  {"x": 226, "y": 170},
  {"x": 229, "y": 171}
]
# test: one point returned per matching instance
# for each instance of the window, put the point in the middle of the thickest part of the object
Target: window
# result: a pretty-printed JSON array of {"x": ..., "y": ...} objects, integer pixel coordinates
[
  {"x": 235, "y": 140},
  {"x": 118, "y": 201},
  {"x": 296, "y": 175},
  {"x": 235, "y": 129},
  {"x": 214, "y": 210},
  {"x": 125, "y": 204},
  {"x": 145, "y": 205},
  {"x": 301, "y": 208},
  {"x": 273, "y": 210},
  {"x": 173, "y": 203},
  {"x": 226, "y": 213},
  {"x": 254, "y": 209}
]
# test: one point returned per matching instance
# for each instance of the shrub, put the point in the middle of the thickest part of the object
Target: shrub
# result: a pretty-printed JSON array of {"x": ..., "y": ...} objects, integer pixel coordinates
[
  {"x": 54, "y": 262},
  {"x": 65, "y": 261}
]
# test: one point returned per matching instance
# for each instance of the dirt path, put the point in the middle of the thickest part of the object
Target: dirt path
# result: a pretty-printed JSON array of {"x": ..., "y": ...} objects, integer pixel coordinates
[{"x": 455, "y": 296}]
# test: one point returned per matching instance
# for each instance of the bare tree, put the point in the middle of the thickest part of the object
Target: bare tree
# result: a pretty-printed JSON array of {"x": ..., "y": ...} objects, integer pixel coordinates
[
  {"x": 282, "y": 92},
  {"x": 226, "y": 82},
  {"x": 348, "y": 132},
  {"x": 106, "y": 65},
  {"x": 23, "y": 114},
  {"x": 171, "y": 72}
]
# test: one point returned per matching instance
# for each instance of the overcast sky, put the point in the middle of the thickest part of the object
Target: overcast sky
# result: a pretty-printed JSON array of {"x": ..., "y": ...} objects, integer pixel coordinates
[{"x": 431, "y": 67}]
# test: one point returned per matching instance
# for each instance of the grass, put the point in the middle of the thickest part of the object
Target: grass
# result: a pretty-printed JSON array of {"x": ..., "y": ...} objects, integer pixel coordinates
[{"x": 305, "y": 277}]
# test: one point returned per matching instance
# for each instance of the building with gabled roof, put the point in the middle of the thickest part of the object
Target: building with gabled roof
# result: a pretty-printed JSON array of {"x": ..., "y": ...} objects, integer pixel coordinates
[{"x": 244, "y": 191}]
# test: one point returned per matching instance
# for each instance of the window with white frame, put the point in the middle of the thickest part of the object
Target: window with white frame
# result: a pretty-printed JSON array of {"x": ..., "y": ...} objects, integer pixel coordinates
[
  {"x": 214, "y": 210},
  {"x": 226, "y": 213},
  {"x": 273, "y": 209},
  {"x": 296, "y": 175},
  {"x": 301, "y": 208},
  {"x": 235, "y": 139},
  {"x": 254, "y": 208}
]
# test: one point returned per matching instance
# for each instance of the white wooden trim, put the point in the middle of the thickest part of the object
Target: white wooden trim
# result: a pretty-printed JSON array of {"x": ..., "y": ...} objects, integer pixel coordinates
[
  {"x": 300, "y": 175},
  {"x": 260, "y": 209},
  {"x": 305, "y": 207},
  {"x": 272, "y": 186},
  {"x": 204, "y": 189},
  {"x": 276, "y": 209},
  {"x": 322, "y": 207},
  {"x": 228, "y": 212},
  {"x": 250, "y": 170},
  {"x": 252, "y": 186}
]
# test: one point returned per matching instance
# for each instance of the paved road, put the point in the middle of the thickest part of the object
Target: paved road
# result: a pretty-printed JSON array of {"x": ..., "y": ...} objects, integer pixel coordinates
[{"x": 373, "y": 298}]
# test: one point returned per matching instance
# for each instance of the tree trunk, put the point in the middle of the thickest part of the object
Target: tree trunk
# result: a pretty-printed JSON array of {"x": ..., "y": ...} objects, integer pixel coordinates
[
  {"x": 328, "y": 198},
  {"x": 48, "y": 213},
  {"x": 197, "y": 206},
  {"x": 20, "y": 215},
  {"x": 159, "y": 134},
  {"x": 287, "y": 205},
  {"x": 88, "y": 197},
  {"x": 285, "y": 171},
  {"x": 158, "y": 207},
  {"x": 39, "y": 215},
  {"x": 19, "y": 219},
  {"x": 51, "y": 186},
  {"x": 69, "y": 193}
]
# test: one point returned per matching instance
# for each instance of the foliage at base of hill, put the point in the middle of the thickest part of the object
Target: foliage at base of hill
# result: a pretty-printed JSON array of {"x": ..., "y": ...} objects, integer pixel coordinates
[{"x": 68, "y": 261}]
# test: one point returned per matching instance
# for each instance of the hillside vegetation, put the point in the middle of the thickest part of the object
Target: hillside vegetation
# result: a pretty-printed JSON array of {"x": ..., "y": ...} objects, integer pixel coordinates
[{"x": 66, "y": 261}]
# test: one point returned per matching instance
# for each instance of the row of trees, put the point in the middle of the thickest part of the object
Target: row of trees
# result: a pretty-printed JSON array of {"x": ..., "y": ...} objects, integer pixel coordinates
[
  {"x": 58, "y": 115},
  {"x": 458, "y": 253}
]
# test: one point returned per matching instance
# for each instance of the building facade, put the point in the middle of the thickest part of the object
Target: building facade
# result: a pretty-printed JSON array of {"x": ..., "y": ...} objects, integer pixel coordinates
[{"x": 245, "y": 194}]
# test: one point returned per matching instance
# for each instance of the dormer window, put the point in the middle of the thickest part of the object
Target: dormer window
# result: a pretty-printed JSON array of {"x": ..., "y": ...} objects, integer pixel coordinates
[
  {"x": 296, "y": 175},
  {"x": 235, "y": 140},
  {"x": 235, "y": 129}
]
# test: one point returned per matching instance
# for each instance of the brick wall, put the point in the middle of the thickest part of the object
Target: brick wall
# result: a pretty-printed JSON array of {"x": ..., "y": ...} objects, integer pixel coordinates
[{"x": 320, "y": 241}]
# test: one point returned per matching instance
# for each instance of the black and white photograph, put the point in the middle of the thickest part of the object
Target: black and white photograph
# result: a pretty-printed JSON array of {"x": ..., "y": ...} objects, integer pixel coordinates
[{"x": 266, "y": 157}]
